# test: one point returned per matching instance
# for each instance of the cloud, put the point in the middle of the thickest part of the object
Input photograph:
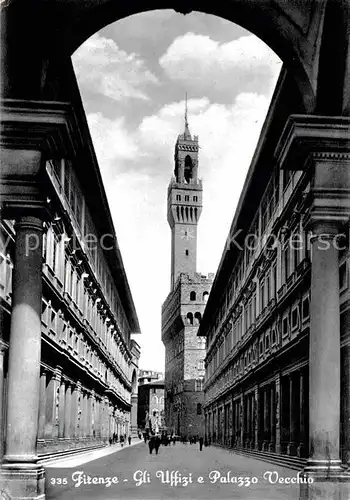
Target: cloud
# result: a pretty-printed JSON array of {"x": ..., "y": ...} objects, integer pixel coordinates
[
  {"x": 103, "y": 68},
  {"x": 114, "y": 145},
  {"x": 205, "y": 64}
]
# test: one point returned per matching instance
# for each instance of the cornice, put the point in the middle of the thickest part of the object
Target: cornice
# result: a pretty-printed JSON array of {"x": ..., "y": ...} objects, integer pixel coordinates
[
  {"x": 46, "y": 126},
  {"x": 328, "y": 136}
]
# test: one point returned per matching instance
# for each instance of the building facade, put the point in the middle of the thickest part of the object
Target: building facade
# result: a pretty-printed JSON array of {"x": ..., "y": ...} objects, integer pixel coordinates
[
  {"x": 277, "y": 319},
  {"x": 147, "y": 376},
  {"x": 150, "y": 402},
  {"x": 64, "y": 293},
  {"x": 183, "y": 309}
]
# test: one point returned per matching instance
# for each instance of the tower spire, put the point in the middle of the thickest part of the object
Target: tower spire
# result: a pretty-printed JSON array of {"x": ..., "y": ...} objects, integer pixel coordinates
[{"x": 187, "y": 134}]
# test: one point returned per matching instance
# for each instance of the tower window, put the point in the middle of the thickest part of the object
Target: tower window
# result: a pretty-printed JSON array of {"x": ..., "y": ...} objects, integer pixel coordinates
[
  {"x": 178, "y": 197},
  {"x": 187, "y": 198},
  {"x": 189, "y": 318},
  {"x": 195, "y": 198},
  {"x": 186, "y": 252},
  {"x": 193, "y": 295},
  {"x": 197, "y": 317},
  {"x": 188, "y": 169}
]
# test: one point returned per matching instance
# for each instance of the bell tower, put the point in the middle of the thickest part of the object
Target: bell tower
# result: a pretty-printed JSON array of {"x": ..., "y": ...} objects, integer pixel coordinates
[{"x": 184, "y": 204}]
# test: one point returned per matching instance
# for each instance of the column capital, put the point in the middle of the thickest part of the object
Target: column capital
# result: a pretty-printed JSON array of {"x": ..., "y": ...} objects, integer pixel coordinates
[{"x": 31, "y": 132}]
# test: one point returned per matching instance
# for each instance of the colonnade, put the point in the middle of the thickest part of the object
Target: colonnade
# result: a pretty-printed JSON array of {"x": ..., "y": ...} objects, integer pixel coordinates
[
  {"x": 69, "y": 411},
  {"x": 271, "y": 416}
]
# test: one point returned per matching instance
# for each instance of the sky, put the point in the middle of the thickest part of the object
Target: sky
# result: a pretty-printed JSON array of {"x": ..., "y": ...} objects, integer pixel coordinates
[{"x": 133, "y": 76}]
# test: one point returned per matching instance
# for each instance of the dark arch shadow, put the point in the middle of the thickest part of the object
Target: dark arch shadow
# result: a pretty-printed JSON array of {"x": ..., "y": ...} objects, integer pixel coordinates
[{"x": 285, "y": 29}]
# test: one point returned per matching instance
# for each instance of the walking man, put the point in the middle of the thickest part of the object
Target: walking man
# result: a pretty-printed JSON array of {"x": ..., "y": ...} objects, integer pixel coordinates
[{"x": 201, "y": 443}]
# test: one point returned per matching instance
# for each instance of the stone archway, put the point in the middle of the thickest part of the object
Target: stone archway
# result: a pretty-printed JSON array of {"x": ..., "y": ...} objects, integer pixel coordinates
[
  {"x": 38, "y": 39},
  {"x": 36, "y": 35}
]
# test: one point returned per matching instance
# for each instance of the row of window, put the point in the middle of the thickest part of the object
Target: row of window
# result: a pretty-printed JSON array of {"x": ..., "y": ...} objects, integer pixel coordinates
[
  {"x": 193, "y": 319},
  {"x": 291, "y": 322},
  {"x": 193, "y": 296},
  {"x": 292, "y": 254},
  {"x": 58, "y": 327},
  {"x": 66, "y": 182},
  {"x": 186, "y": 197},
  {"x": 79, "y": 287}
]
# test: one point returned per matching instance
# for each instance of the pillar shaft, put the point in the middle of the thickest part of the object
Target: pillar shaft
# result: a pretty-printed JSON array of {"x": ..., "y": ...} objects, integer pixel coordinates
[
  {"x": 301, "y": 448},
  {"x": 42, "y": 405},
  {"x": 25, "y": 343},
  {"x": 324, "y": 364},
  {"x": 68, "y": 412},
  {"x": 272, "y": 419},
  {"x": 256, "y": 417},
  {"x": 61, "y": 415},
  {"x": 2, "y": 355},
  {"x": 292, "y": 419},
  {"x": 278, "y": 400}
]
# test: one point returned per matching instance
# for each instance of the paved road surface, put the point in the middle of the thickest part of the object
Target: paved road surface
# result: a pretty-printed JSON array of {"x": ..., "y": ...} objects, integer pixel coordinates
[{"x": 130, "y": 464}]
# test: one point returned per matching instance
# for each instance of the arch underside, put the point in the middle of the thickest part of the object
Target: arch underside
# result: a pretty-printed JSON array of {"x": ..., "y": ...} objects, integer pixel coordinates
[{"x": 291, "y": 29}]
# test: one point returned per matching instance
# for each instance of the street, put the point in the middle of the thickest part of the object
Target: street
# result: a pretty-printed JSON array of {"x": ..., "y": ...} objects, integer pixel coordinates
[{"x": 177, "y": 472}]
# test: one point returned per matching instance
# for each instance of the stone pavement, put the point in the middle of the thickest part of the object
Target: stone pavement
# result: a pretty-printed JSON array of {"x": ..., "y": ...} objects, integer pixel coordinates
[
  {"x": 87, "y": 456},
  {"x": 132, "y": 473}
]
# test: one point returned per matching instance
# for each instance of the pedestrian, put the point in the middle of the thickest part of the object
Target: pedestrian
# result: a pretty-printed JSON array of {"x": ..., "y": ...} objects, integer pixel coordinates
[
  {"x": 156, "y": 444},
  {"x": 110, "y": 440},
  {"x": 201, "y": 440},
  {"x": 151, "y": 445},
  {"x": 174, "y": 440},
  {"x": 122, "y": 441},
  {"x": 129, "y": 439}
]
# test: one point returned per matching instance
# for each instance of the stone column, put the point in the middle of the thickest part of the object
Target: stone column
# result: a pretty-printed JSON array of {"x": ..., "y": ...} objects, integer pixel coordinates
[
  {"x": 62, "y": 409},
  {"x": 241, "y": 419},
  {"x": 68, "y": 411},
  {"x": 346, "y": 403},
  {"x": 42, "y": 405},
  {"x": 134, "y": 402},
  {"x": 291, "y": 449},
  {"x": 272, "y": 419},
  {"x": 256, "y": 417},
  {"x": 301, "y": 447},
  {"x": 278, "y": 400},
  {"x": 2, "y": 355},
  {"x": 266, "y": 420},
  {"x": 24, "y": 361},
  {"x": 324, "y": 364},
  {"x": 248, "y": 421}
]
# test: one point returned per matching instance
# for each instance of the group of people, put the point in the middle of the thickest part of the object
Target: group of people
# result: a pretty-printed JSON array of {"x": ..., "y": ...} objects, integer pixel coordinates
[
  {"x": 155, "y": 440},
  {"x": 122, "y": 439}
]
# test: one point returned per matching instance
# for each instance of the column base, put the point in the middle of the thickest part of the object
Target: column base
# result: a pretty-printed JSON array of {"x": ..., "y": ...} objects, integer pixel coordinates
[
  {"x": 317, "y": 487},
  {"x": 21, "y": 481},
  {"x": 301, "y": 450},
  {"x": 291, "y": 449},
  {"x": 324, "y": 469}
]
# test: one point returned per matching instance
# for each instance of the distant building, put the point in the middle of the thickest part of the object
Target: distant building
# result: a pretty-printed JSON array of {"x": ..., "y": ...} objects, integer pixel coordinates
[
  {"x": 150, "y": 403},
  {"x": 183, "y": 309},
  {"x": 147, "y": 376}
]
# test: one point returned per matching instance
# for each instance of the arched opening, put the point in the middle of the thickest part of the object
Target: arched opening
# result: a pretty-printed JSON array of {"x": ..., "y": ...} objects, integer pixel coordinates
[
  {"x": 189, "y": 318},
  {"x": 193, "y": 295},
  {"x": 205, "y": 296},
  {"x": 198, "y": 318}
]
